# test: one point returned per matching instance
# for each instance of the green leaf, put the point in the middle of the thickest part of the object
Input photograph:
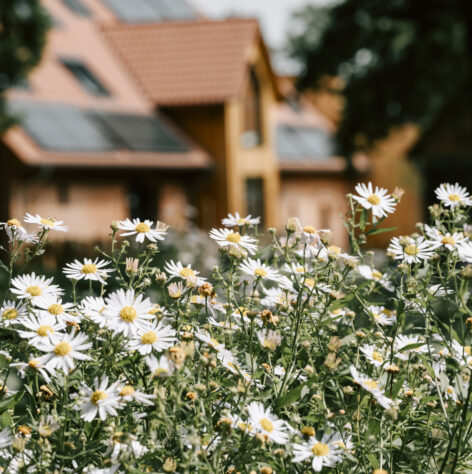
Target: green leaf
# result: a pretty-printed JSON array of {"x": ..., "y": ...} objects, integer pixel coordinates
[
  {"x": 409, "y": 347},
  {"x": 11, "y": 402},
  {"x": 381, "y": 231},
  {"x": 292, "y": 395}
]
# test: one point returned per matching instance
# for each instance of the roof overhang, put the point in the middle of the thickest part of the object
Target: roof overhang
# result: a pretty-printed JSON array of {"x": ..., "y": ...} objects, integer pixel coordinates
[{"x": 334, "y": 164}]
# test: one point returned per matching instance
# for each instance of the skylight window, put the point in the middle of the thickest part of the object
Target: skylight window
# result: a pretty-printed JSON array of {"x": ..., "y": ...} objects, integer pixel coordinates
[
  {"x": 86, "y": 78},
  {"x": 78, "y": 7}
]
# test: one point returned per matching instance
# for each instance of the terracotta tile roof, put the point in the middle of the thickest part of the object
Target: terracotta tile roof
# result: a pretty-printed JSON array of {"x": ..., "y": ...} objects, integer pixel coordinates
[{"x": 186, "y": 63}]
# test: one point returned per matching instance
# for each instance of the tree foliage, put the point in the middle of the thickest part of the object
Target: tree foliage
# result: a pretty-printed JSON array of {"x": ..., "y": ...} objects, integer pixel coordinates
[
  {"x": 402, "y": 61},
  {"x": 23, "y": 28}
]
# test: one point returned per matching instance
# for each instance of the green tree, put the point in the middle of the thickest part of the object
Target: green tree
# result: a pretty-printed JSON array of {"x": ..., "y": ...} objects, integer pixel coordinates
[
  {"x": 23, "y": 28},
  {"x": 402, "y": 61}
]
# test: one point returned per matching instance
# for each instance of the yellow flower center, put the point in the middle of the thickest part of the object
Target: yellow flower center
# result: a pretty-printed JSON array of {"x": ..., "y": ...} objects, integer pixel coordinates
[
  {"x": 374, "y": 199},
  {"x": 149, "y": 337},
  {"x": 450, "y": 390},
  {"x": 33, "y": 363},
  {"x": 269, "y": 344},
  {"x": 267, "y": 425},
  {"x": 234, "y": 237},
  {"x": 128, "y": 314},
  {"x": 34, "y": 290},
  {"x": 377, "y": 356},
  {"x": 186, "y": 272},
  {"x": 376, "y": 275},
  {"x": 50, "y": 221},
  {"x": 43, "y": 331},
  {"x": 309, "y": 282},
  {"x": 448, "y": 240},
  {"x": 10, "y": 313},
  {"x": 62, "y": 349},
  {"x": 159, "y": 371},
  {"x": 309, "y": 229},
  {"x": 89, "y": 268},
  {"x": 127, "y": 390},
  {"x": 467, "y": 349},
  {"x": 242, "y": 221},
  {"x": 454, "y": 198},
  {"x": 411, "y": 249},
  {"x": 97, "y": 396},
  {"x": 300, "y": 270},
  {"x": 320, "y": 449},
  {"x": 142, "y": 228},
  {"x": 334, "y": 249},
  {"x": 372, "y": 384},
  {"x": 260, "y": 272},
  {"x": 14, "y": 222},
  {"x": 56, "y": 309},
  {"x": 244, "y": 426}
]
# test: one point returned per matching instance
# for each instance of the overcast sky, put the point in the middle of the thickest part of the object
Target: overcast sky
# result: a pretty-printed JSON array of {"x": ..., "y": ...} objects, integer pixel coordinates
[{"x": 273, "y": 15}]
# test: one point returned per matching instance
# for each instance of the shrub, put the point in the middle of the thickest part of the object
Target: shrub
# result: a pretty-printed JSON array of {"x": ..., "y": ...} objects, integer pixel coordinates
[{"x": 288, "y": 358}]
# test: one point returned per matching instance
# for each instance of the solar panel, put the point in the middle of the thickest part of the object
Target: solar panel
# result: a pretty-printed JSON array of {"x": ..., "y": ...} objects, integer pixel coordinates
[
  {"x": 140, "y": 11},
  {"x": 143, "y": 133},
  {"x": 300, "y": 143},
  {"x": 60, "y": 127},
  {"x": 65, "y": 128}
]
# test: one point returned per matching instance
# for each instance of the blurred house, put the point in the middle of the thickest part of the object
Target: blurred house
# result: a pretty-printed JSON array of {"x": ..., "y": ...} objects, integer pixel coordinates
[{"x": 145, "y": 109}]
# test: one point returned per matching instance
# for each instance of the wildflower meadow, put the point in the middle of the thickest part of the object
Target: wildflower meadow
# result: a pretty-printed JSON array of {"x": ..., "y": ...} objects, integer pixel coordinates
[{"x": 291, "y": 356}]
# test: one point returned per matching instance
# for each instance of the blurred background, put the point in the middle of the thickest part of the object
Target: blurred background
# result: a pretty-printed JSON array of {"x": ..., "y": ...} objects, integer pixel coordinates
[{"x": 187, "y": 110}]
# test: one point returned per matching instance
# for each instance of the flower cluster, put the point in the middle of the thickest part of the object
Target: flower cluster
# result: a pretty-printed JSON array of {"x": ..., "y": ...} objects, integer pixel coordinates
[{"x": 292, "y": 357}]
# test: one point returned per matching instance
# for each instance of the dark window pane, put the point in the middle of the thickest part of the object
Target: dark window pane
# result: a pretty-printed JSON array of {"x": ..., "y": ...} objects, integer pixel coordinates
[
  {"x": 87, "y": 79},
  {"x": 255, "y": 198},
  {"x": 301, "y": 143},
  {"x": 77, "y": 7},
  {"x": 252, "y": 135}
]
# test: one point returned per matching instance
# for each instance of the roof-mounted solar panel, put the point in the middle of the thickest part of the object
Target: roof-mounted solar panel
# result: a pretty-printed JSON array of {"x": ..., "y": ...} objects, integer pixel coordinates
[{"x": 141, "y": 11}]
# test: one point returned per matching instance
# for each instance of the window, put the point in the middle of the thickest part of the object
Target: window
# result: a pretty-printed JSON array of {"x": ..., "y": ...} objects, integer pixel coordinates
[
  {"x": 255, "y": 197},
  {"x": 87, "y": 79},
  {"x": 142, "y": 200},
  {"x": 252, "y": 135},
  {"x": 77, "y": 7},
  {"x": 136, "y": 11}
]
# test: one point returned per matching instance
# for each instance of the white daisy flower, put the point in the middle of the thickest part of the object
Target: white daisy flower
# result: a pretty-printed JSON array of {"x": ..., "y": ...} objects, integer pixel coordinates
[
  {"x": 187, "y": 273},
  {"x": 257, "y": 269},
  {"x": 374, "y": 355},
  {"x": 343, "y": 441},
  {"x": 88, "y": 270},
  {"x": 324, "y": 452},
  {"x": 451, "y": 394},
  {"x": 128, "y": 393},
  {"x": 225, "y": 324},
  {"x": 382, "y": 316},
  {"x": 93, "y": 307},
  {"x": 101, "y": 399},
  {"x": 32, "y": 286},
  {"x": 176, "y": 290},
  {"x": 372, "y": 386},
  {"x": 124, "y": 445},
  {"x": 62, "y": 349},
  {"x": 265, "y": 423},
  {"x": 96, "y": 470},
  {"x": 465, "y": 252},
  {"x": 269, "y": 339},
  {"x": 41, "y": 328},
  {"x": 213, "y": 303},
  {"x": 15, "y": 231},
  {"x": 276, "y": 297},
  {"x": 372, "y": 274},
  {"x": 411, "y": 250},
  {"x": 207, "y": 339},
  {"x": 452, "y": 195},
  {"x": 12, "y": 312},
  {"x": 53, "y": 305},
  {"x": 49, "y": 223},
  {"x": 402, "y": 341},
  {"x": 162, "y": 367},
  {"x": 376, "y": 199},
  {"x": 142, "y": 230},
  {"x": 127, "y": 312},
  {"x": 228, "y": 239},
  {"x": 155, "y": 336},
  {"x": 5, "y": 438},
  {"x": 237, "y": 220},
  {"x": 35, "y": 364},
  {"x": 449, "y": 241}
]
